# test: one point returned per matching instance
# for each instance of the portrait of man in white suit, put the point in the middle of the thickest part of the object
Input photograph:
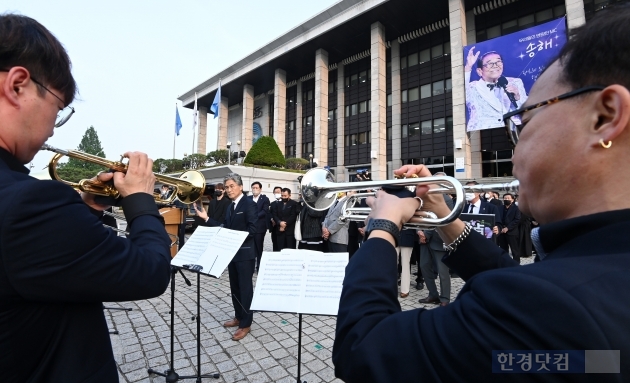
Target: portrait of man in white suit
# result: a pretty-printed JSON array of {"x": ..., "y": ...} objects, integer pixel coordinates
[{"x": 493, "y": 95}]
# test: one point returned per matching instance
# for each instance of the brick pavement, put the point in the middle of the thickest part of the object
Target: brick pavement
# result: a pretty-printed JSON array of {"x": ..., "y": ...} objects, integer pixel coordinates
[{"x": 267, "y": 354}]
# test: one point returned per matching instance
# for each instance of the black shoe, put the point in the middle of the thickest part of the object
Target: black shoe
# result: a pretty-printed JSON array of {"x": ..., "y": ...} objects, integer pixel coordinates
[{"x": 419, "y": 286}]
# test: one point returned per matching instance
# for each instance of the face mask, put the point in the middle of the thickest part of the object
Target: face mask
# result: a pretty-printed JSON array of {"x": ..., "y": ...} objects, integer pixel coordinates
[
  {"x": 256, "y": 193},
  {"x": 218, "y": 193},
  {"x": 278, "y": 196},
  {"x": 488, "y": 195},
  {"x": 285, "y": 199},
  {"x": 507, "y": 202},
  {"x": 470, "y": 196}
]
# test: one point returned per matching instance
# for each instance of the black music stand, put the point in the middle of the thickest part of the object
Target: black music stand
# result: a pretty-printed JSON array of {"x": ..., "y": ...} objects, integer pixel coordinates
[
  {"x": 170, "y": 374},
  {"x": 115, "y": 332}
]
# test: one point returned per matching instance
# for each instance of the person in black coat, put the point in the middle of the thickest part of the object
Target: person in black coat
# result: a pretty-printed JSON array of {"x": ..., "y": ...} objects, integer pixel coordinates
[
  {"x": 58, "y": 263},
  {"x": 241, "y": 215},
  {"x": 262, "y": 212},
  {"x": 475, "y": 205},
  {"x": 575, "y": 298},
  {"x": 285, "y": 214},
  {"x": 509, "y": 237},
  {"x": 311, "y": 229},
  {"x": 277, "y": 197}
]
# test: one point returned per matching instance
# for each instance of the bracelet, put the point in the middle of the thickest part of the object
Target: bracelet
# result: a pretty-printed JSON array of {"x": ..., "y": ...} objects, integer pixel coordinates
[{"x": 453, "y": 245}]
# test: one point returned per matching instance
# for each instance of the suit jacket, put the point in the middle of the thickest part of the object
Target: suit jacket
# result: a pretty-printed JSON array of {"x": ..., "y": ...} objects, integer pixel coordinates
[
  {"x": 242, "y": 218},
  {"x": 57, "y": 265},
  {"x": 488, "y": 208},
  {"x": 262, "y": 212},
  {"x": 511, "y": 219},
  {"x": 576, "y": 300},
  {"x": 289, "y": 215},
  {"x": 485, "y": 110},
  {"x": 338, "y": 230}
]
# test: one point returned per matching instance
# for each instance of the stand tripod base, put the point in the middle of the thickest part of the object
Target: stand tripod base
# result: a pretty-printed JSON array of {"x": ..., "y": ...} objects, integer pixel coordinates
[{"x": 172, "y": 377}]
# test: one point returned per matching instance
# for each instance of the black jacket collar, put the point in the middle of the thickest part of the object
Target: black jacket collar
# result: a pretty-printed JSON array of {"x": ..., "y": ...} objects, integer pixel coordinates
[{"x": 12, "y": 162}]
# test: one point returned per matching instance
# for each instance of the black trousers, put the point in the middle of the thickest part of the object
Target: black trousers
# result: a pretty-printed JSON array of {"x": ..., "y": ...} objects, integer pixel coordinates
[
  {"x": 259, "y": 240},
  {"x": 337, "y": 247},
  {"x": 286, "y": 240},
  {"x": 510, "y": 240},
  {"x": 274, "y": 239},
  {"x": 242, "y": 290}
]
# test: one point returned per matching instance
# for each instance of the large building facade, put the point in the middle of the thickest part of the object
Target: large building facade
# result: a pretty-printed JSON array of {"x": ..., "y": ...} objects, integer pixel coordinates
[{"x": 375, "y": 84}]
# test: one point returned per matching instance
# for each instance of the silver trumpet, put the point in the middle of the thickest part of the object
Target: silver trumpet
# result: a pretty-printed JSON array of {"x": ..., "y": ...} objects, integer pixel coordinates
[{"x": 319, "y": 192}]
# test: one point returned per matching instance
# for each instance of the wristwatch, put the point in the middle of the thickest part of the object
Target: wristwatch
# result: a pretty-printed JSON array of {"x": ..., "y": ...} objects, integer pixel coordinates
[{"x": 384, "y": 225}]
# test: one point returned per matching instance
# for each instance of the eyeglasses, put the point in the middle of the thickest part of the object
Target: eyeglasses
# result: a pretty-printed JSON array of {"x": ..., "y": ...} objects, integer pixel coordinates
[
  {"x": 513, "y": 120},
  {"x": 493, "y": 64},
  {"x": 64, "y": 114}
]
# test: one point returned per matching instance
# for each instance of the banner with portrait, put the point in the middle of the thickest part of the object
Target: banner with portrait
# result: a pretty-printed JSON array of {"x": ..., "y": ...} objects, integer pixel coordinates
[{"x": 499, "y": 73}]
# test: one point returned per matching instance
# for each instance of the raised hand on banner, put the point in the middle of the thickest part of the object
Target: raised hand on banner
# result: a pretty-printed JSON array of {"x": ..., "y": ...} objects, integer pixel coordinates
[{"x": 471, "y": 60}]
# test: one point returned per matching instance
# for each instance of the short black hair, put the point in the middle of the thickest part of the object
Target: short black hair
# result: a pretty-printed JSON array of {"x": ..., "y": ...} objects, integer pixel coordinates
[
  {"x": 25, "y": 42},
  {"x": 483, "y": 56},
  {"x": 257, "y": 183},
  {"x": 286, "y": 190},
  {"x": 276, "y": 187},
  {"x": 509, "y": 194},
  {"x": 472, "y": 183},
  {"x": 598, "y": 52}
]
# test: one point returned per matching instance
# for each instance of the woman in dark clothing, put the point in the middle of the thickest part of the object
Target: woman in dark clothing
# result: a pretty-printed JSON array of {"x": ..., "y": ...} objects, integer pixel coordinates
[{"x": 311, "y": 228}]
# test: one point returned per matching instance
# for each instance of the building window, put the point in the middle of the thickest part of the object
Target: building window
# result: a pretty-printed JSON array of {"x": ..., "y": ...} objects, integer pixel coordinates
[
  {"x": 307, "y": 122},
  {"x": 437, "y": 51},
  {"x": 405, "y": 131},
  {"x": 413, "y": 94},
  {"x": 414, "y": 129},
  {"x": 388, "y": 133},
  {"x": 307, "y": 95},
  {"x": 364, "y": 76},
  {"x": 389, "y": 99},
  {"x": 332, "y": 87},
  {"x": 425, "y": 91},
  {"x": 351, "y": 140},
  {"x": 307, "y": 148},
  {"x": 332, "y": 143},
  {"x": 363, "y": 106},
  {"x": 353, "y": 109},
  {"x": 449, "y": 123},
  {"x": 425, "y": 56},
  {"x": 332, "y": 115},
  {"x": 448, "y": 85},
  {"x": 354, "y": 80},
  {"x": 438, "y": 87},
  {"x": 439, "y": 126},
  {"x": 403, "y": 62},
  {"x": 426, "y": 127},
  {"x": 447, "y": 48},
  {"x": 404, "y": 95},
  {"x": 290, "y": 101},
  {"x": 412, "y": 59},
  {"x": 364, "y": 138},
  {"x": 290, "y": 125},
  {"x": 290, "y": 151},
  {"x": 522, "y": 22},
  {"x": 497, "y": 164},
  {"x": 347, "y": 111}
]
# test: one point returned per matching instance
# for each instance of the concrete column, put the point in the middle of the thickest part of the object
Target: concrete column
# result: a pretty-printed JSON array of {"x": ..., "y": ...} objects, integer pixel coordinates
[
  {"x": 379, "y": 102},
  {"x": 396, "y": 110},
  {"x": 475, "y": 137},
  {"x": 340, "y": 173},
  {"x": 320, "y": 146},
  {"x": 457, "y": 24},
  {"x": 248, "y": 118},
  {"x": 280, "y": 107},
  {"x": 575, "y": 13},
  {"x": 203, "y": 130},
  {"x": 298, "y": 120},
  {"x": 222, "y": 125}
]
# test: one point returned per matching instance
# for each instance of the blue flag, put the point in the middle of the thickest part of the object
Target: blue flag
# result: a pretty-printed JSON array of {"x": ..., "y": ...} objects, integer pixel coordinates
[
  {"x": 178, "y": 121},
  {"x": 215, "y": 107}
]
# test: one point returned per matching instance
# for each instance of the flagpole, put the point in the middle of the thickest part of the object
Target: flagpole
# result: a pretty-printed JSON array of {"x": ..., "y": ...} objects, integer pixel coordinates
[{"x": 196, "y": 118}]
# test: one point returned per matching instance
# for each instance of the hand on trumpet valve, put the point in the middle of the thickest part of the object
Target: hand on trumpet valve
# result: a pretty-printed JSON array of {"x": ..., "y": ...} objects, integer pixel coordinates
[
  {"x": 390, "y": 207},
  {"x": 138, "y": 178},
  {"x": 89, "y": 199},
  {"x": 431, "y": 202}
]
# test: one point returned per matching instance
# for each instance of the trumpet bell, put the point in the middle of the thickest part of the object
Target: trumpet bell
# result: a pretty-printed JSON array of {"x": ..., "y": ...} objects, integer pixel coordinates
[
  {"x": 191, "y": 194},
  {"x": 314, "y": 191}
]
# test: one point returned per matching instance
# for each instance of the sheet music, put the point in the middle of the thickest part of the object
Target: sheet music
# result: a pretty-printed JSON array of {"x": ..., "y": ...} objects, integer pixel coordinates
[
  {"x": 300, "y": 281},
  {"x": 210, "y": 247}
]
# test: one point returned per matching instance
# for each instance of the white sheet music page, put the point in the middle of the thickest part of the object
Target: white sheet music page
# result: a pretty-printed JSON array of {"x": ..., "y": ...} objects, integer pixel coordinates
[
  {"x": 279, "y": 283},
  {"x": 194, "y": 250},
  {"x": 225, "y": 244},
  {"x": 300, "y": 281}
]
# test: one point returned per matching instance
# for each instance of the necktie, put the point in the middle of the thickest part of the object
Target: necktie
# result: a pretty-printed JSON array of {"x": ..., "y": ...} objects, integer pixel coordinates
[
  {"x": 491, "y": 86},
  {"x": 233, "y": 206},
  {"x": 470, "y": 209}
]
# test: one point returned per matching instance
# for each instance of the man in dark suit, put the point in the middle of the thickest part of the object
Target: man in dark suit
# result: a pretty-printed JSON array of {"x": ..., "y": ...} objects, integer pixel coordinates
[
  {"x": 509, "y": 237},
  {"x": 574, "y": 298},
  {"x": 277, "y": 197},
  {"x": 262, "y": 212},
  {"x": 241, "y": 215},
  {"x": 475, "y": 205},
  {"x": 58, "y": 264},
  {"x": 285, "y": 214}
]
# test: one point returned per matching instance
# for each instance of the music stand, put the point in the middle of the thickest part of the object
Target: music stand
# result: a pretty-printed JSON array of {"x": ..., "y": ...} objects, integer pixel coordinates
[
  {"x": 170, "y": 374},
  {"x": 115, "y": 332}
]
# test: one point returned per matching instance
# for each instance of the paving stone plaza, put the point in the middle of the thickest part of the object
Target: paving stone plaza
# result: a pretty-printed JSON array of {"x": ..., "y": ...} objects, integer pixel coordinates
[{"x": 267, "y": 354}]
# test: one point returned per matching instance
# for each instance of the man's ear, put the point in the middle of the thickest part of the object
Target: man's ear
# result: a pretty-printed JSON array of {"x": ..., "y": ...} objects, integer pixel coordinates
[
  {"x": 479, "y": 72},
  {"x": 14, "y": 83},
  {"x": 613, "y": 114}
]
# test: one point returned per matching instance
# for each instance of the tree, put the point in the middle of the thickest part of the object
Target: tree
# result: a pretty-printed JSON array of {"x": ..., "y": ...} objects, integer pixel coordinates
[
  {"x": 297, "y": 163},
  {"x": 265, "y": 152},
  {"x": 220, "y": 157},
  {"x": 197, "y": 160},
  {"x": 170, "y": 165},
  {"x": 75, "y": 170}
]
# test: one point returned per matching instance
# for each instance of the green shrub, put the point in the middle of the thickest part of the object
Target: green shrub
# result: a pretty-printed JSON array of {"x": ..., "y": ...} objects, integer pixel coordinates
[
  {"x": 297, "y": 163},
  {"x": 265, "y": 152}
]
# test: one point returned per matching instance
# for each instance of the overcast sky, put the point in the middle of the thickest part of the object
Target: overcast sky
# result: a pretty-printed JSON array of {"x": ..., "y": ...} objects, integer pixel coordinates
[{"x": 132, "y": 59}]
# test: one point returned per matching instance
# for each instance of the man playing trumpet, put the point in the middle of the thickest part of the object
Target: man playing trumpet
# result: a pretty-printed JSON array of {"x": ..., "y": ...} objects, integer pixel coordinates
[{"x": 575, "y": 129}]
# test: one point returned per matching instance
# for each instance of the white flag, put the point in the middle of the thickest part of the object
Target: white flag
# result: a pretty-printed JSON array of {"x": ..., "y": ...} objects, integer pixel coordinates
[{"x": 195, "y": 114}]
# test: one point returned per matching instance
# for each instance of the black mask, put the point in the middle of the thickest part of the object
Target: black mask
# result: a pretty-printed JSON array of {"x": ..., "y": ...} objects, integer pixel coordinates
[
  {"x": 507, "y": 202},
  {"x": 218, "y": 193},
  {"x": 285, "y": 199}
]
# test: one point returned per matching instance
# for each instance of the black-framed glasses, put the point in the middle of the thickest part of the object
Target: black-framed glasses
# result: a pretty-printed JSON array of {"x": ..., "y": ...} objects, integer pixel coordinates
[
  {"x": 64, "y": 114},
  {"x": 513, "y": 120},
  {"x": 493, "y": 64}
]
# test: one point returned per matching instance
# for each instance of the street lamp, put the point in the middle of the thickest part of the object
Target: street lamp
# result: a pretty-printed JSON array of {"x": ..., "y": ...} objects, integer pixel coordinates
[
  {"x": 229, "y": 143},
  {"x": 238, "y": 153},
  {"x": 310, "y": 157}
]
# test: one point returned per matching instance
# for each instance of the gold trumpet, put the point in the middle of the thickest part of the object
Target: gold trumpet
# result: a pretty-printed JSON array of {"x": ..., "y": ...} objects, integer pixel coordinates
[{"x": 189, "y": 187}]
